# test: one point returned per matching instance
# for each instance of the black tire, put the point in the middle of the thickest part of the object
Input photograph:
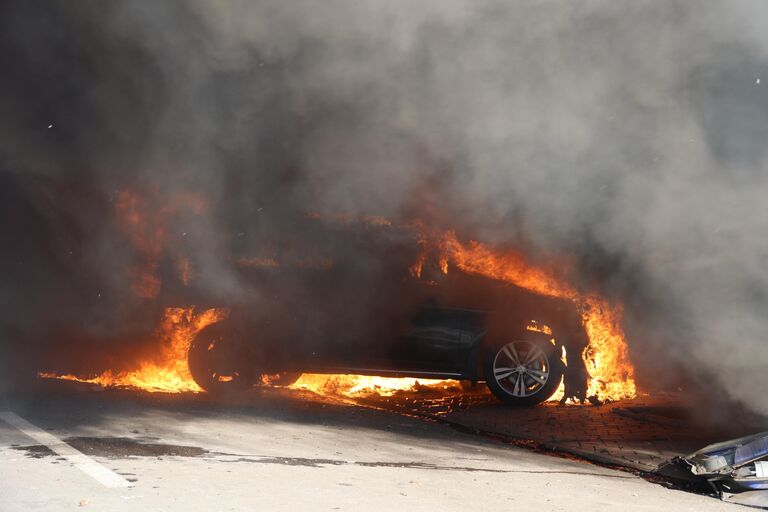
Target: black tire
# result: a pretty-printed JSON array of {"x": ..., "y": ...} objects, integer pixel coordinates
[
  {"x": 219, "y": 361},
  {"x": 525, "y": 383}
]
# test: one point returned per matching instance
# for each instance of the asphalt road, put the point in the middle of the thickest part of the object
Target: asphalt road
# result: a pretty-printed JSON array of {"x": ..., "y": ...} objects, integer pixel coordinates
[{"x": 74, "y": 449}]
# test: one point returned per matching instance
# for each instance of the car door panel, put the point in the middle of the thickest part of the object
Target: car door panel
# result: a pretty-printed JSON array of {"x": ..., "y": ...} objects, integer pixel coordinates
[{"x": 438, "y": 339}]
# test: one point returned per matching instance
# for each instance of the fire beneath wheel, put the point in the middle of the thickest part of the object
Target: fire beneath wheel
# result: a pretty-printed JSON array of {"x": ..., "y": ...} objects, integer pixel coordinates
[{"x": 167, "y": 371}]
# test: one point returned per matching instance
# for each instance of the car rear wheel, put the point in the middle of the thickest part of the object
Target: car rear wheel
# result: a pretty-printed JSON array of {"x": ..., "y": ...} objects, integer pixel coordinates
[
  {"x": 523, "y": 372},
  {"x": 219, "y": 361}
]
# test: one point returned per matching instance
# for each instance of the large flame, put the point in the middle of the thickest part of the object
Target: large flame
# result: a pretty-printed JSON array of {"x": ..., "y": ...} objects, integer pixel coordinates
[
  {"x": 356, "y": 385},
  {"x": 166, "y": 371},
  {"x": 606, "y": 358}
]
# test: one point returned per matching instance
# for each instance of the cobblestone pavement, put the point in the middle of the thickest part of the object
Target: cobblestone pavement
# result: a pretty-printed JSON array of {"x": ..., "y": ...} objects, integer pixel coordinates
[{"x": 638, "y": 434}]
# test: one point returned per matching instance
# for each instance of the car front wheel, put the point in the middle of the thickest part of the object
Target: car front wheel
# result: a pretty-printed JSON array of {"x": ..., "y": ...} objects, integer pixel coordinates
[{"x": 523, "y": 372}]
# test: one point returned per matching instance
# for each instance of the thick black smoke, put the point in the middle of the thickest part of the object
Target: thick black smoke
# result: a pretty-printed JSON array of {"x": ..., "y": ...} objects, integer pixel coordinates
[{"x": 630, "y": 136}]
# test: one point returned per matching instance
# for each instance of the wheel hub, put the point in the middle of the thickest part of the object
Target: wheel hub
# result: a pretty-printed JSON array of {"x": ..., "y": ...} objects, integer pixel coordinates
[{"x": 521, "y": 368}]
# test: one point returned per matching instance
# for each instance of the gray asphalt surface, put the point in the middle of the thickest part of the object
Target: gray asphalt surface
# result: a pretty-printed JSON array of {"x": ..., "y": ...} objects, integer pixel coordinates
[{"x": 277, "y": 451}]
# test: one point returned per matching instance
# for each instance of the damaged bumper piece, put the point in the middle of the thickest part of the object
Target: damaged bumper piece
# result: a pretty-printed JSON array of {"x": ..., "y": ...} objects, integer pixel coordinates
[{"x": 737, "y": 470}]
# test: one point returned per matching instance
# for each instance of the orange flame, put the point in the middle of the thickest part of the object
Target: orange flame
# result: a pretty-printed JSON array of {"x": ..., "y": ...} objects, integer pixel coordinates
[
  {"x": 148, "y": 235},
  {"x": 167, "y": 371},
  {"x": 357, "y": 385},
  {"x": 145, "y": 226},
  {"x": 606, "y": 357},
  {"x": 257, "y": 262},
  {"x": 185, "y": 271}
]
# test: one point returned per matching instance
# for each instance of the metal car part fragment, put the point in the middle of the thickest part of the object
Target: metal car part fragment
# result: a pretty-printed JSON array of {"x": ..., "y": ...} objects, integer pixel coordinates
[{"x": 737, "y": 470}]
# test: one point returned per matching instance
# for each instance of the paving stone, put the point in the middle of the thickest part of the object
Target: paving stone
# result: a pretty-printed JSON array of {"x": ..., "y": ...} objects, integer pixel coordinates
[{"x": 640, "y": 433}]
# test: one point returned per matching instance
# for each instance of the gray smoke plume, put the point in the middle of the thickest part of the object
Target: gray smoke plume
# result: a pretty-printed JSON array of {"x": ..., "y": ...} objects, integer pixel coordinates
[{"x": 630, "y": 136}]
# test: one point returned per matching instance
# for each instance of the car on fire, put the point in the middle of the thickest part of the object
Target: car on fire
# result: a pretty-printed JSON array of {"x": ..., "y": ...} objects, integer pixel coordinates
[
  {"x": 357, "y": 305},
  {"x": 303, "y": 294}
]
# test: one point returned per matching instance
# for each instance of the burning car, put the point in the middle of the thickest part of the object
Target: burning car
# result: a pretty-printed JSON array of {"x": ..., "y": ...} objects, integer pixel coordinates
[
  {"x": 359, "y": 306},
  {"x": 178, "y": 307}
]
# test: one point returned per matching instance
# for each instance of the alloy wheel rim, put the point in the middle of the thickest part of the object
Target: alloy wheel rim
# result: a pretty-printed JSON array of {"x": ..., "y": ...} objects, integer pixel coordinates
[{"x": 521, "y": 368}]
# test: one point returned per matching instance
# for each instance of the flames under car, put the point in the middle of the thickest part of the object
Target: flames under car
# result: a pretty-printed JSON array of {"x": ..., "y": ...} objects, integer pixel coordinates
[{"x": 525, "y": 368}]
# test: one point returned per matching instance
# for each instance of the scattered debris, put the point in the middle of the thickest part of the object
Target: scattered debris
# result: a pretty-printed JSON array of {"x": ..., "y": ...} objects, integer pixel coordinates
[{"x": 737, "y": 470}]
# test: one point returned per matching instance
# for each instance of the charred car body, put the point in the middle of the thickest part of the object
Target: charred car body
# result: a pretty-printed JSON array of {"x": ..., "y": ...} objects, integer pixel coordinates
[{"x": 358, "y": 306}]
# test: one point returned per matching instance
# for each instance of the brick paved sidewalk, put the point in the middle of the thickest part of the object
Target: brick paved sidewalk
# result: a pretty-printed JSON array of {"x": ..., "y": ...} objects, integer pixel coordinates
[{"x": 639, "y": 433}]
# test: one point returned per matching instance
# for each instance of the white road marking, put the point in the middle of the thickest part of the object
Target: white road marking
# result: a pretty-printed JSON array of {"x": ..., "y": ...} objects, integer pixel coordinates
[{"x": 87, "y": 465}]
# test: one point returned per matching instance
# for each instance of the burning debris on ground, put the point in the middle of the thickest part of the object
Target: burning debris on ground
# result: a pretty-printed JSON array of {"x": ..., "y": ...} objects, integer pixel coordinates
[{"x": 444, "y": 210}]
